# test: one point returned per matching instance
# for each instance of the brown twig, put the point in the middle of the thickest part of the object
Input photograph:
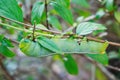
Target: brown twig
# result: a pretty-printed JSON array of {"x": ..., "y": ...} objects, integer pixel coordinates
[
  {"x": 29, "y": 25},
  {"x": 67, "y": 35},
  {"x": 108, "y": 66},
  {"x": 103, "y": 69},
  {"x": 7, "y": 75},
  {"x": 46, "y": 10},
  {"x": 34, "y": 31},
  {"x": 114, "y": 68},
  {"x": 15, "y": 21},
  {"x": 102, "y": 41}
]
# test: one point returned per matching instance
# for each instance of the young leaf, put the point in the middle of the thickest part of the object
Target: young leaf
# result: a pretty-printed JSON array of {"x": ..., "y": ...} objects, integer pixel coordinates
[
  {"x": 10, "y": 9},
  {"x": 83, "y": 3},
  {"x": 6, "y": 52},
  {"x": 101, "y": 58},
  {"x": 88, "y": 27},
  {"x": 49, "y": 44},
  {"x": 37, "y": 12},
  {"x": 64, "y": 12},
  {"x": 55, "y": 23},
  {"x": 70, "y": 64},
  {"x": 110, "y": 5},
  {"x": 117, "y": 16}
]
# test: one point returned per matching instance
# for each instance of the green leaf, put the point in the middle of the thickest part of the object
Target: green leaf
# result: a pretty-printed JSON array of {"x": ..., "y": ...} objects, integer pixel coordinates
[
  {"x": 70, "y": 64},
  {"x": 64, "y": 12},
  {"x": 117, "y": 16},
  {"x": 7, "y": 43},
  {"x": 88, "y": 27},
  {"x": 33, "y": 49},
  {"x": 101, "y": 58},
  {"x": 1, "y": 37},
  {"x": 100, "y": 13},
  {"x": 37, "y": 12},
  {"x": 55, "y": 23},
  {"x": 49, "y": 44},
  {"x": 10, "y": 9},
  {"x": 83, "y": 3},
  {"x": 65, "y": 3},
  {"x": 6, "y": 52},
  {"x": 109, "y": 5}
]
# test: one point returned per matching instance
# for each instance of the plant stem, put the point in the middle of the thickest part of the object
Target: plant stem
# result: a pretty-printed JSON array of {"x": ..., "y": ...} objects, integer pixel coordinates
[
  {"x": 93, "y": 69},
  {"x": 64, "y": 36},
  {"x": 30, "y": 26},
  {"x": 26, "y": 30},
  {"x": 46, "y": 10},
  {"x": 15, "y": 21},
  {"x": 102, "y": 68},
  {"x": 34, "y": 32}
]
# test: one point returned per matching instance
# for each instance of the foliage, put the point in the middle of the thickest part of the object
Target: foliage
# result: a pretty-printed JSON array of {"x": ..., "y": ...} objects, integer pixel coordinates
[
  {"x": 63, "y": 11},
  {"x": 10, "y": 9},
  {"x": 88, "y": 27},
  {"x": 37, "y": 12},
  {"x": 45, "y": 43},
  {"x": 4, "y": 44},
  {"x": 70, "y": 64}
]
